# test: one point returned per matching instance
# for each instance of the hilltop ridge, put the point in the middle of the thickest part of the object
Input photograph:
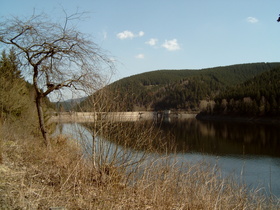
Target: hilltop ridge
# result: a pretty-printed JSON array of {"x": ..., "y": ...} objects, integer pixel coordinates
[{"x": 177, "y": 89}]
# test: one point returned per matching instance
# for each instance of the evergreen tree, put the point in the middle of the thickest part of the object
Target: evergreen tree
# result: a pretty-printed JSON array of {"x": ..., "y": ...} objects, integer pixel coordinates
[{"x": 13, "y": 90}]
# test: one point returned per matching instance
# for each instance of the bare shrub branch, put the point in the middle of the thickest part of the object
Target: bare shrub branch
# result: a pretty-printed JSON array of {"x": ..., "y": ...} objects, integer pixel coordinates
[{"x": 57, "y": 56}]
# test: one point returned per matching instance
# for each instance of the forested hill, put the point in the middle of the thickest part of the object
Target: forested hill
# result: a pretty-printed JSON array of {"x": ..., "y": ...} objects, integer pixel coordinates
[
  {"x": 259, "y": 96},
  {"x": 229, "y": 75},
  {"x": 178, "y": 89}
]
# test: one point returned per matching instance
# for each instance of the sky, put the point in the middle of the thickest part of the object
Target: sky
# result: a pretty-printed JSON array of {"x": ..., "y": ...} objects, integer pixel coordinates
[{"x": 146, "y": 35}]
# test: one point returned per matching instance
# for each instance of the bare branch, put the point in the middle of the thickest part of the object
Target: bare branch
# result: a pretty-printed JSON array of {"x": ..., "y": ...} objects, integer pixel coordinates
[{"x": 58, "y": 55}]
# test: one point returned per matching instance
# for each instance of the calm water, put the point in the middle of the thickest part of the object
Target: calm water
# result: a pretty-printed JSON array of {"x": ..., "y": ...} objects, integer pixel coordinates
[{"x": 249, "y": 152}]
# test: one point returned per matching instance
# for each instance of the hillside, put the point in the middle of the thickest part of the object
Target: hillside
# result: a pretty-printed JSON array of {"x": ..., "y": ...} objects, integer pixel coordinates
[
  {"x": 177, "y": 89},
  {"x": 229, "y": 74},
  {"x": 67, "y": 105},
  {"x": 259, "y": 96}
]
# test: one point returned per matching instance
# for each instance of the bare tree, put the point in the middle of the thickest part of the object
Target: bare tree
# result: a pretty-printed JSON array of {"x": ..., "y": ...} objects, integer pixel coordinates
[{"x": 56, "y": 55}]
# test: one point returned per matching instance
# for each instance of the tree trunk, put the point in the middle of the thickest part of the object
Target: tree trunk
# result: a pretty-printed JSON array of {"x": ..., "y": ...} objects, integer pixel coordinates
[{"x": 41, "y": 120}]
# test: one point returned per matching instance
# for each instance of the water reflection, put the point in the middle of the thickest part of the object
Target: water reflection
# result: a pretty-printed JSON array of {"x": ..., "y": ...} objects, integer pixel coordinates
[
  {"x": 219, "y": 138},
  {"x": 250, "y": 151},
  {"x": 194, "y": 136}
]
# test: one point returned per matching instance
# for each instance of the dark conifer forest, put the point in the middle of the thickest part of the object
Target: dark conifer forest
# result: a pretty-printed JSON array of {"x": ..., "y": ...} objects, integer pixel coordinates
[
  {"x": 259, "y": 96},
  {"x": 245, "y": 89}
]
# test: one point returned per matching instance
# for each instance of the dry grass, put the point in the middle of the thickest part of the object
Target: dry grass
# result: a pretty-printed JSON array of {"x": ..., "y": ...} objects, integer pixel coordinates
[{"x": 32, "y": 177}]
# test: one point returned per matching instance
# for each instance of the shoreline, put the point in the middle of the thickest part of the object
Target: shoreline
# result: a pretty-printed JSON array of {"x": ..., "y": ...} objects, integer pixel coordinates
[
  {"x": 150, "y": 115},
  {"x": 117, "y": 116},
  {"x": 241, "y": 119}
]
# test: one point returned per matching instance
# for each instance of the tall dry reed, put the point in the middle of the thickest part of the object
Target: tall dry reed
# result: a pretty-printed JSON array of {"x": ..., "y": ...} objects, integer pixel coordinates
[{"x": 32, "y": 177}]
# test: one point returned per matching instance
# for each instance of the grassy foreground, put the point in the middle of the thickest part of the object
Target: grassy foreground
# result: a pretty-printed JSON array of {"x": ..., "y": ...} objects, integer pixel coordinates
[{"x": 32, "y": 177}]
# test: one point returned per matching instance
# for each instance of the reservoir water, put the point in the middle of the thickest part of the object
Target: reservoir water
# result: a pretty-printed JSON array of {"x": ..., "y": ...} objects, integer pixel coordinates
[{"x": 248, "y": 151}]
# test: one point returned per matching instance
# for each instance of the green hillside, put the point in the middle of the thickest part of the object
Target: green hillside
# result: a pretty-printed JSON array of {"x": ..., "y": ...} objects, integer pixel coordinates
[
  {"x": 231, "y": 75},
  {"x": 178, "y": 89},
  {"x": 259, "y": 96}
]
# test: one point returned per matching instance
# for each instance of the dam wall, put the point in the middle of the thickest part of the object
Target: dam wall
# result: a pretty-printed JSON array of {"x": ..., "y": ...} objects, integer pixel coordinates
[{"x": 118, "y": 116}]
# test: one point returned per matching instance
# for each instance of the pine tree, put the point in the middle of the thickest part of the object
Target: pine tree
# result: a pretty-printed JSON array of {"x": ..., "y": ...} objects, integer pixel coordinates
[{"x": 13, "y": 90}]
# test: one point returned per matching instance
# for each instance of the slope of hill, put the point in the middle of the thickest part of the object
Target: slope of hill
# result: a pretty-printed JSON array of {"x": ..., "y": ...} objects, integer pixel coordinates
[
  {"x": 178, "y": 89},
  {"x": 229, "y": 74},
  {"x": 259, "y": 96},
  {"x": 68, "y": 105}
]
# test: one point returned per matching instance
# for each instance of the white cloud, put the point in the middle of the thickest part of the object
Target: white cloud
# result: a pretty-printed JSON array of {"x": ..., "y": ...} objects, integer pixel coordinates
[
  {"x": 141, "y": 33},
  {"x": 171, "y": 45},
  {"x": 129, "y": 35},
  {"x": 125, "y": 35},
  {"x": 252, "y": 20},
  {"x": 152, "y": 42},
  {"x": 140, "y": 56}
]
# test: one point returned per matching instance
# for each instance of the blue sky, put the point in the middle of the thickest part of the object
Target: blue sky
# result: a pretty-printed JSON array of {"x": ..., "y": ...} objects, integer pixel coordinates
[{"x": 149, "y": 35}]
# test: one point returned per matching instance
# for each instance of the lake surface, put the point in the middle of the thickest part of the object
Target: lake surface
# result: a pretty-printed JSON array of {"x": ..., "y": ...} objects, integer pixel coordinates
[{"x": 248, "y": 151}]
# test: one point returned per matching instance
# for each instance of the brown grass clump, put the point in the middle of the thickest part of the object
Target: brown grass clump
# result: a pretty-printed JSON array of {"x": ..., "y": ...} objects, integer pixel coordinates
[{"x": 33, "y": 177}]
